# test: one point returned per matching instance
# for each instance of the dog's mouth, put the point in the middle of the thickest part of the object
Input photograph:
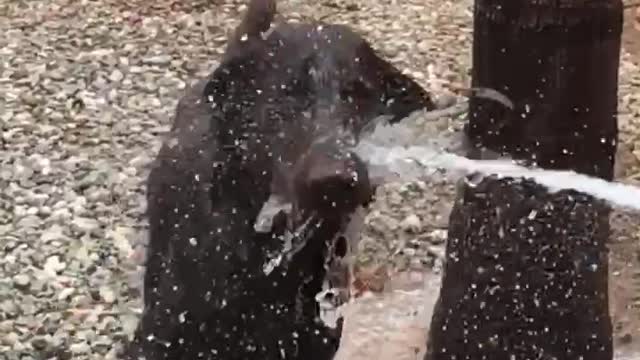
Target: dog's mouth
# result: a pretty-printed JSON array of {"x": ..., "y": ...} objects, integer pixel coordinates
[
  {"x": 337, "y": 284},
  {"x": 338, "y": 262}
]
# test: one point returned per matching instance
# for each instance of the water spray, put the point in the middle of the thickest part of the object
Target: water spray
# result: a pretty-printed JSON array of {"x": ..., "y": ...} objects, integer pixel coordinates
[{"x": 389, "y": 151}]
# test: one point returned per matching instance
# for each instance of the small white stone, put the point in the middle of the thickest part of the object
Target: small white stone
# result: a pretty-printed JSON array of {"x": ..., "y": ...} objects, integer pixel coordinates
[
  {"x": 116, "y": 76},
  {"x": 21, "y": 280},
  {"x": 107, "y": 295},
  {"x": 53, "y": 265},
  {"x": 437, "y": 251},
  {"x": 80, "y": 348},
  {"x": 411, "y": 223},
  {"x": 65, "y": 293}
]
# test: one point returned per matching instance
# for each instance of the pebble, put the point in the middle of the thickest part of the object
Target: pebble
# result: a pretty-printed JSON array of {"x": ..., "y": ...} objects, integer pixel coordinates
[
  {"x": 411, "y": 223},
  {"x": 54, "y": 232},
  {"x": 120, "y": 236},
  {"x": 436, "y": 251},
  {"x": 85, "y": 225},
  {"x": 40, "y": 343},
  {"x": 107, "y": 294},
  {"x": 10, "y": 338},
  {"x": 409, "y": 251},
  {"x": 116, "y": 76},
  {"x": 66, "y": 293},
  {"x": 80, "y": 348},
  {"x": 159, "y": 60},
  {"x": 21, "y": 280},
  {"x": 30, "y": 221},
  {"x": 53, "y": 265},
  {"x": 438, "y": 236}
]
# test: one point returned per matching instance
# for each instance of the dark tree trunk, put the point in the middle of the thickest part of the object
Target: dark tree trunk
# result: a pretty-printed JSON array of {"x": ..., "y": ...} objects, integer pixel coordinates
[{"x": 526, "y": 272}]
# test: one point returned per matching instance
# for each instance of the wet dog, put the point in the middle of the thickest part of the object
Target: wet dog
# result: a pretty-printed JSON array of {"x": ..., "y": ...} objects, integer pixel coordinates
[{"x": 269, "y": 123}]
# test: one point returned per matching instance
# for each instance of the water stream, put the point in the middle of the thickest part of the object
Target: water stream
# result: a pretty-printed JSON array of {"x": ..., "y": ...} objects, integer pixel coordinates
[{"x": 393, "y": 155}]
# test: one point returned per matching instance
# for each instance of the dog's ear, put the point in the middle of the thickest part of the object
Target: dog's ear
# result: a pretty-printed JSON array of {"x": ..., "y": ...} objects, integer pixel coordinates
[
  {"x": 259, "y": 16},
  {"x": 249, "y": 33},
  {"x": 257, "y": 20}
]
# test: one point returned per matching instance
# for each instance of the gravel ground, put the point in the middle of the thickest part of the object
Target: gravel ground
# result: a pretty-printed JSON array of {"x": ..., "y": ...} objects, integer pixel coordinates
[{"x": 90, "y": 86}]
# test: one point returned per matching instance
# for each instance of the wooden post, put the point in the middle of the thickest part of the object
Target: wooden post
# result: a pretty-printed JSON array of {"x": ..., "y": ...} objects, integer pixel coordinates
[{"x": 526, "y": 271}]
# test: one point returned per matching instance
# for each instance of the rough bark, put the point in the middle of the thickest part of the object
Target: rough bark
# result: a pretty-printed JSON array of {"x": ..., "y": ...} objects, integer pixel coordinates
[{"x": 526, "y": 272}]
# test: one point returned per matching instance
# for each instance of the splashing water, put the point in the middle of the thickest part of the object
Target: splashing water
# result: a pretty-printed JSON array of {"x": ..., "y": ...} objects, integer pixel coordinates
[
  {"x": 392, "y": 156},
  {"x": 396, "y": 153}
]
